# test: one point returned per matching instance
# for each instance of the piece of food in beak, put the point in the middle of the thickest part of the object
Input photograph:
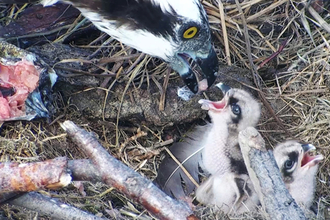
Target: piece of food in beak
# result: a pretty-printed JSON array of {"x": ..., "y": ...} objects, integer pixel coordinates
[{"x": 208, "y": 64}]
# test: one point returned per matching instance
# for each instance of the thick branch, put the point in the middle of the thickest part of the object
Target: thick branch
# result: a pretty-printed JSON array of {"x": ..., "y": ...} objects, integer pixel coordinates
[
  {"x": 266, "y": 177},
  {"x": 84, "y": 170},
  {"x": 51, "y": 207},
  {"x": 48, "y": 171},
  {"x": 51, "y": 174},
  {"x": 126, "y": 180}
]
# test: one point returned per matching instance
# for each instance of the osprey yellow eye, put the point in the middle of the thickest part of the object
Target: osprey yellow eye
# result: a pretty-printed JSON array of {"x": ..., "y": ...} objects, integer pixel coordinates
[{"x": 190, "y": 33}]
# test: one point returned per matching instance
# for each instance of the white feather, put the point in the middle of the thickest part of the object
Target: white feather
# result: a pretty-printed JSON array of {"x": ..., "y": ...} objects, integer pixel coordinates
[
  {"x": 215, "y": 160},
  {"x": 138, "y": 39},
  {"x": 141, "y": 40},
  {"x": 185, "y": 8},
  {"x": 48, "y": 2}
]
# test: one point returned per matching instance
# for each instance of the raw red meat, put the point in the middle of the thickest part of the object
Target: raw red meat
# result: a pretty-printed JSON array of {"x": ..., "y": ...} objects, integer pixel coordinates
[{"x": 21, "y": 78}]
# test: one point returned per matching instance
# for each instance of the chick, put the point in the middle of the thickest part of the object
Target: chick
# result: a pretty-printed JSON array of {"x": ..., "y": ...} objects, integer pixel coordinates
[
  {"x": 229, "y": 186},
  {"x": 298, "y": 169},
  {"x": 235, "y": 112},
  {"x": 234, "y": 193}
]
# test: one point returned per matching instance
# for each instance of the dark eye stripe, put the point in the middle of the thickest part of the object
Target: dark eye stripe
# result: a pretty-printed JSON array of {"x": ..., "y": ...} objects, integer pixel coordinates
[
  {"x": 233, "y": 101},
  {"x": 293, "y": 156}
]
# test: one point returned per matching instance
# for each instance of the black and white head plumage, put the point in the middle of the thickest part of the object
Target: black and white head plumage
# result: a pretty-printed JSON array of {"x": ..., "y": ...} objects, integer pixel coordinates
[
  {"x": 298, "y": 169},
  {"x": 238, "y": 107},
  {"x": 172, "y": 30}
]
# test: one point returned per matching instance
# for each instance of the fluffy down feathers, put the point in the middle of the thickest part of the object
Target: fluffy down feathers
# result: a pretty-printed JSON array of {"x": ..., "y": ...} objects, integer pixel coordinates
[
  {"x": 229, "y": 186},
  {"x": 298, "y": 169}
]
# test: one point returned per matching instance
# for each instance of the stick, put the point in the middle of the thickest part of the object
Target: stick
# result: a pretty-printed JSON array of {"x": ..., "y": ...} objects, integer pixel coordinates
[
  {"x": 51, "y": 174},
  {"x": 126, "y": 180},
  {"x": 51, "y": 207},
  {"x": 266, "y": 178}
]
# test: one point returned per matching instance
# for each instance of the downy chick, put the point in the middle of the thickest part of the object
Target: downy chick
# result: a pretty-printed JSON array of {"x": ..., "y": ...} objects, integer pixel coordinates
[
  {"x": 298, "y": 169},
  {"x": 229, "y": 186},
  {"x": 236, "y": 110}
]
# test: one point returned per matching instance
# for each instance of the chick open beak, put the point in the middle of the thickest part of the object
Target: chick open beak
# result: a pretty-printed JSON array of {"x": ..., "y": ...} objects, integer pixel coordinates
[
  {"x": 219, "y": 105},
  {"x": 309, "y": 160}
]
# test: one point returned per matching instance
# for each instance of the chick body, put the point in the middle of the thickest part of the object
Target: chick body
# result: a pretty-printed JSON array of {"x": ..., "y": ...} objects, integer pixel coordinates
[{"x": 229, "y": 186}]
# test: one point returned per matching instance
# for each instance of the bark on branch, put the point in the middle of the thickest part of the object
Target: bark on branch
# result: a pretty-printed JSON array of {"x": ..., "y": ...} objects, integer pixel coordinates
[
  {"x": 51, "y": 207},
  {"x": 101, "y": 167},
  {"x": 51, "y": 174},
  {"x": 266, "y": 178},
  {"x": 126, "y": 180}
]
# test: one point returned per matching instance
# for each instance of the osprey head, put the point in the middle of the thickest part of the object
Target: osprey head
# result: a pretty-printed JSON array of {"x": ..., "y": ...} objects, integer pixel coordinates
[{"x": 172, "y": 30}]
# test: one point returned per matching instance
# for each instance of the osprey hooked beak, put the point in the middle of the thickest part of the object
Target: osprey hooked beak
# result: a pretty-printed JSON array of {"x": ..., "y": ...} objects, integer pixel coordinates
[
  {"x": 173, "y": 30},
  {"x": 208, "y": 62}
]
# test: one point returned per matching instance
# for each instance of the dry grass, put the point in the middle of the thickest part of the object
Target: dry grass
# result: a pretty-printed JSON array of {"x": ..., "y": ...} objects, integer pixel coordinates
[{"x": 295, "y": 83}]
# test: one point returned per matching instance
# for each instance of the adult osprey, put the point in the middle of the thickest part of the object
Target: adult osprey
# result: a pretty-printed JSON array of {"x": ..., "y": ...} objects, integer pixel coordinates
[{"x": 172, "y": 30}]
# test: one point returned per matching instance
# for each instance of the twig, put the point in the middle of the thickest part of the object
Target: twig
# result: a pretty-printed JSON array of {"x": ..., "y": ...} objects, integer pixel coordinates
[
  {"x": 319, "y": 19},
  {"x": 264, "y": 11},
  {"x": 255, "y": 71},
  {"x": 84, "y": 170},
  {"x": 142, "y": 58},
  {"x": 224, "y": 32},
  {"x": 115, "y": 59},
  {"x": 164, "y": 143},
  {"x": 163, "y": 90},
  {"x": 133, "y": 138},
  {"x": 274, "y": 54},
  {"x": 182, "y": 167}
]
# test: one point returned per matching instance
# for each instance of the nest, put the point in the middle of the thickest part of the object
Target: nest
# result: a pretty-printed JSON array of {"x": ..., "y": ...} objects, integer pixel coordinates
[{"x": 292, "y": 86}]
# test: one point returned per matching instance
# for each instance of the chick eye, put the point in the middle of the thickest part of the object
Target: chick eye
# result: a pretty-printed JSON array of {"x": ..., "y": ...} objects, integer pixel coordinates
[
  {"x": 288, "y": 164},
  {"x": 190, "y": 32},
  {"x": 236, "y": 109}
]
